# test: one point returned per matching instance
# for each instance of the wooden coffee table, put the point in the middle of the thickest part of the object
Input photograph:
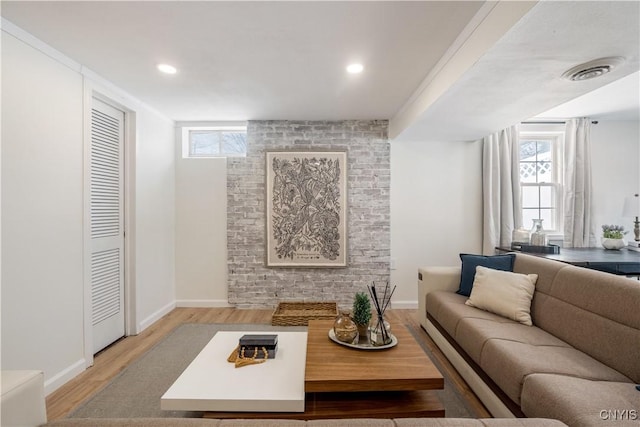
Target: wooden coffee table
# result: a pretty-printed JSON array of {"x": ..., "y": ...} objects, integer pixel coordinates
[{"x": 341, "y": 382}]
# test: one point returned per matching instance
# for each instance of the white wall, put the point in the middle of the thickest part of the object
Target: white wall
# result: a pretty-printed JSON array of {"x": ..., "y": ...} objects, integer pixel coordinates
[
  {"x": 436, "y": 213},
  {"x": 615, "y": 151},
  {"x": 42, "y": 210},
  {"x": 201, "y": 231},
  {"x": 155, "y": 217},
  {"x": 42, "y": 166},
  {"x": 436, "y": 208}
]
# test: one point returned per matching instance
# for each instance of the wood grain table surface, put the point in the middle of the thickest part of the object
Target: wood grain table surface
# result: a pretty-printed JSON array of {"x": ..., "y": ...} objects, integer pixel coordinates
[{"x": 331, "y": 367}]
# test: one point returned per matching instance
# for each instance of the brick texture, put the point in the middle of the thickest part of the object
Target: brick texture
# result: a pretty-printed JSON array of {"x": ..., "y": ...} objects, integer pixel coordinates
[{"x": 250, "y": 282}]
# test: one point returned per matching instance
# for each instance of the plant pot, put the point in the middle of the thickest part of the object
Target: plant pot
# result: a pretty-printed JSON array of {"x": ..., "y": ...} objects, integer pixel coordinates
[
  {"x": 613, "y": 244},
  {"x": 363, "y": 333}
]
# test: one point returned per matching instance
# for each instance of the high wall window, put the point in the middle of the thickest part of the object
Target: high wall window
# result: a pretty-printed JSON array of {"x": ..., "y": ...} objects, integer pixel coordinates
[
  {"x": 541, "y": 179},
  {"x": 214, "y": 141}
]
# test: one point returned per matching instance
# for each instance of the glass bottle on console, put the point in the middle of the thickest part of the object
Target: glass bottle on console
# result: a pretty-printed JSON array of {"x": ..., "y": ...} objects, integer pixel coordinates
[{"x": 538, "y": 236}]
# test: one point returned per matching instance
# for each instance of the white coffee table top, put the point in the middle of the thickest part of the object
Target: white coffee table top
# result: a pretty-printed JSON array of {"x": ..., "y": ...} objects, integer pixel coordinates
[{"x": 210, "y": 383}]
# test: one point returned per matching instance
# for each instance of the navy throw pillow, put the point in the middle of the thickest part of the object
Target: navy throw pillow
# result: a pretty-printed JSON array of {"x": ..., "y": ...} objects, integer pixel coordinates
[{"x": 470, "y": 262}]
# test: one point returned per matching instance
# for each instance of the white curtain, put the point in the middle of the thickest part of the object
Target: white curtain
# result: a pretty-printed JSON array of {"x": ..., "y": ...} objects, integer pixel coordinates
[
  {"x": 502, "y": 206},
  {"x": 578, "y": 226}
]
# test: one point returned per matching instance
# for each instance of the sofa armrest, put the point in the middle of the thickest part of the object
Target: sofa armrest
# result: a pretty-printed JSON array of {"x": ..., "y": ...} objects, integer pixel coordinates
[
  {"x": 435, "y": 279},
  {"x": 23, "y": 400}
]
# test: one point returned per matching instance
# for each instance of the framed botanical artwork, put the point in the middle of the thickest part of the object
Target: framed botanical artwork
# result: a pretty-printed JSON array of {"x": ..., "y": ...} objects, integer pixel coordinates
[{"x": 306, "y": 204}]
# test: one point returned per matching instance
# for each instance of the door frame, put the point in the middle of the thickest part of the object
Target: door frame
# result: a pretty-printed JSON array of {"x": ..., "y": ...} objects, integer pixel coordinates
[{"x": 91, "y": 91}]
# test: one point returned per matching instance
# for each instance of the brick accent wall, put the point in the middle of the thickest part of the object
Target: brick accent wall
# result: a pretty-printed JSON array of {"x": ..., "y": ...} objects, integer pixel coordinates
[{"x": 250, "y": 283}]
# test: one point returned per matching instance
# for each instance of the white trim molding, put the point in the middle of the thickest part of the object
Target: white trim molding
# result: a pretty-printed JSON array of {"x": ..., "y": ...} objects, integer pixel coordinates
[
  {"x": 154, "y": 317},
  {"x": 404, "y": 305},
  {"x": 64, "y": 376},
  {"x": 203, "y": 303}
]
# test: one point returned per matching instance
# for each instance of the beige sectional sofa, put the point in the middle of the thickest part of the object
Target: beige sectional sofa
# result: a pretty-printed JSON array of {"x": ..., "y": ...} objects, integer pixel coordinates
[
  {"x": 578, "y": 363},
  {"x": 398, "y": 422}
]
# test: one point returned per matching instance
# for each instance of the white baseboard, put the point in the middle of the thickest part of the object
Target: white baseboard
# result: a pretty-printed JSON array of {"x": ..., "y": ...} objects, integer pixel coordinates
[
  {"x": 150, "y": 320},
  {"x": 66, "y": 375},
  {"x": 205, "y": 303},
  {"x": 404, "y": 305}
]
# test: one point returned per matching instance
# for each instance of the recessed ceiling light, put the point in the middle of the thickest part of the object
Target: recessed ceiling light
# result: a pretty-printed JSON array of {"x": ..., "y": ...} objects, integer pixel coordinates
[
  {"x": 355, "y": 68},
  {"x": 593, "y": 69},
  {"x": 167, "y": 69}
]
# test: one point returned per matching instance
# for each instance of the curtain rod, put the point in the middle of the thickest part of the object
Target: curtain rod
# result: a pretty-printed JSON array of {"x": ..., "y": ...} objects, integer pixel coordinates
[{"x": 594, "y": 122}]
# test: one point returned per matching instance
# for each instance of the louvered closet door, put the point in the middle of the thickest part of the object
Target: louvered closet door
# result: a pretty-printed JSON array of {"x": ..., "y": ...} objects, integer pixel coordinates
[{"x": 106, "y": 224}]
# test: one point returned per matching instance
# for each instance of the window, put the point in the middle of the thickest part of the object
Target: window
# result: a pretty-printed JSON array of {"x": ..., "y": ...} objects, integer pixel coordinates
[
  {"x": 541, "y": 179},
  {"x": 220, "y": 141}
]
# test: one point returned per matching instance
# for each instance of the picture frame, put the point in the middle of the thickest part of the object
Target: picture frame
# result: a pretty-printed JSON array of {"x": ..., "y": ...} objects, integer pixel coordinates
[{"x": 306, "y": 208}]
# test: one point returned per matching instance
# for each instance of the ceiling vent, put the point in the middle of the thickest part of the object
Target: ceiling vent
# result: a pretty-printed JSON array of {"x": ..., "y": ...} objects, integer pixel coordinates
[{"x": 593, "y": 69}]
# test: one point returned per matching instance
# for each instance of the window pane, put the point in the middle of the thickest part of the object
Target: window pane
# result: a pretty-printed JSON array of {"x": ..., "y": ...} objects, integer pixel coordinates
[
  {"x": 204, "y": 143},
  {"x": 543, "y": 150},
  {"x": 528, "y": 215},
  {"x": 530, "y": 197},
  {"x": 537, "y": 167},
  {"x": 547, "y": 197},
  {"x": 528, "y": 172},
  {"x": 234, "y": 143},
  {"x": 545, "y": 172},
  {"x": 548, "y": 215},
  {"x": 527, "y": 150}
]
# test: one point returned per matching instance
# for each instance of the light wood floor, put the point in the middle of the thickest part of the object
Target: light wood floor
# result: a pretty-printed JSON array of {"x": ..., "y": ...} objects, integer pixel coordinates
[{"x": 112, "y": 360}]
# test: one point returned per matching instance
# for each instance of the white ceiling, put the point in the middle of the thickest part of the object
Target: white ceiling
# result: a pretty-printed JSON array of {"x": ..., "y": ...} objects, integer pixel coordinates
[
  {"x": 519, "y": 77},
  {"x": 254, "y": 60},
  {"x": 616, "y": 101},
  {"x": 286, "y": 60}
]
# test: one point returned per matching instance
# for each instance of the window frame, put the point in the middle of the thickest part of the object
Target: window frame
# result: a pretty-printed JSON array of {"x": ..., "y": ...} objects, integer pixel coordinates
[
  {"x": 556, "y": 140},
  {"x": 187, "y": 148}
]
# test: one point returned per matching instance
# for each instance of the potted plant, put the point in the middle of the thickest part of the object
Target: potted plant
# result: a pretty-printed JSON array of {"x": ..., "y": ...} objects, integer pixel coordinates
[
  {"x": 361, "y": 315},
  {"x": 613, "y": 237}
]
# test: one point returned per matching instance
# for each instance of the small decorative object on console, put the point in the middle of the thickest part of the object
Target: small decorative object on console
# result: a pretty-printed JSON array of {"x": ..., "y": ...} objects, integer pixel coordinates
[
  {"x": 520, "y": 236},
  {"x": 633, "y": 245},
  {"x": 538, "y": 236},
  {"x": 632, "y": 209},
  {"x": 613, "y": 237},
  {"x": 548, "y": 249}
]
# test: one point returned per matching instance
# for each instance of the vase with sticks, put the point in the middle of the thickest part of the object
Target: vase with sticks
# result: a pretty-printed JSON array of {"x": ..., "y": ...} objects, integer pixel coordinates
[{"x": 380, "y": 330}]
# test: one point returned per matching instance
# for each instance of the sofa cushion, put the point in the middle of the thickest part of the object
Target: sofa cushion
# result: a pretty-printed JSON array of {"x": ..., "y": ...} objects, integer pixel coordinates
[
  {"x": 470, "y": 262},
  {"x": 508, "y": 363},
  {"x": 578, "y": 401},
  {"x": 449, "y": 308},
  {"x": 473, "y": 334},
  {"x": 400, "y": 422},
  {"x": 133, "y": 422},
  {"x": 483, "y": 422},
  {"x": 546, "y": 269},
  {"x": 261, "y": 423},
  {"x": 503, "y": 292},
  {"x": 355, "y": 422},
  {"x": 592, "y": 311},
  {"x": 596, "y": 313}
]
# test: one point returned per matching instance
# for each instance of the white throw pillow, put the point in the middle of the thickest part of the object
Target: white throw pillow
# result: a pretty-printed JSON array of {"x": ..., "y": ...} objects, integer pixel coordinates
[{"x": 504, "y": 293}]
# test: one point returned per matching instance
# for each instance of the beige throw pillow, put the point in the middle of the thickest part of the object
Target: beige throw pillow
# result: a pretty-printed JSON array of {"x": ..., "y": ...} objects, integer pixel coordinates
[{"x": 504, "y": 293}]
